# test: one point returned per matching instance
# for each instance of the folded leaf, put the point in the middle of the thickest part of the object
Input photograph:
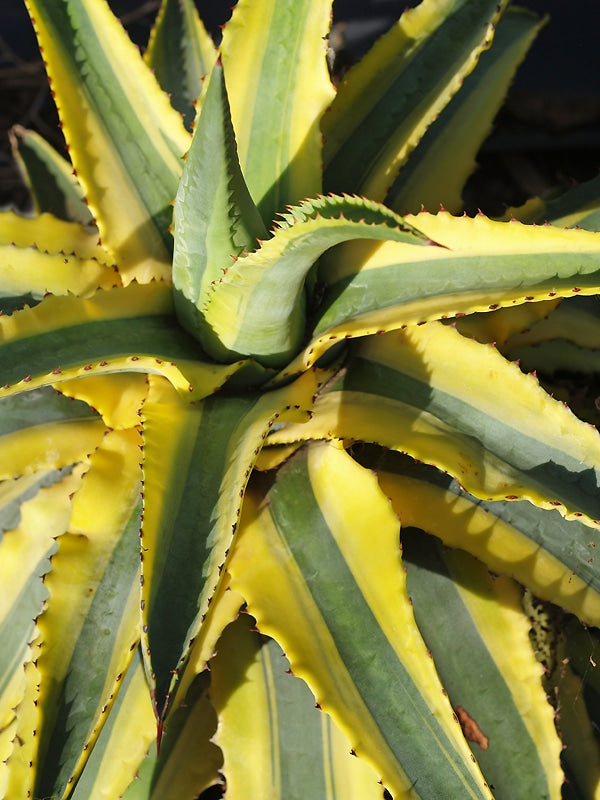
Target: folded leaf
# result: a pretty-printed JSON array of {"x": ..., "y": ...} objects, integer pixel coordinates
[
  {"x": 258, "y": 307},
  {"x": 215, "y": 219}
]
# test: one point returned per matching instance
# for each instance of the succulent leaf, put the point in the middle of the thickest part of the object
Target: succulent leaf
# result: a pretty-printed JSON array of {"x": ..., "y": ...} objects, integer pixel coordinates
[
  {"x": 179, "y": 30},
  {"x": 276, "y": 111},
  {"x": 53, "y": 186},
  {"x": 389, "y": 99},
  {"x": 44, "y": 431},
  {"x": 258, "y": 308},
  {"x": 478, "y": 635},
  {"x": 215, "y": 219},
  {"x": 186, "y": 533},
  {"x": 252, "y": 685},
  {"x": 121, "y": 747},
  {"x": 336, "y": 585},
  {"x": 95, "y": 610},
  {"x": 578, "y": 207},
  {"x": 25, "y": 552},
  {"x": 502, "y": 438},
  {"x": 377, "y": 287},
  {"x": 189, "y": 761},
  {"x": 142, "y": 376},
  {"x": 438, "y": 168},
  {"x": 125, "y": 139},
  {"x": 80, "y": 338},
  {"x": 506, "y": 536}
]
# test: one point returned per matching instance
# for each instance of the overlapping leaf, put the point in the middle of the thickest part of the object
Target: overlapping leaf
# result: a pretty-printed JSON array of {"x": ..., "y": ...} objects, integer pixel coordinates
[
  {"x": 420, "y": 392},
  {"x": 437, "y": 170},
  {"x": 479, "y": 265},
  {"x": 554, "y": 557},
  {"x": 91, "y": 626}
]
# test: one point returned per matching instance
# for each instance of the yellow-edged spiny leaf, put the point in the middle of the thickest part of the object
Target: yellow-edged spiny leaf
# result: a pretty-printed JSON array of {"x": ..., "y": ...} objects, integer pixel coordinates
[
  {"x": 121, "y": 746},
  {"x": 90, "y": 628},
  {"x": 276, "y": 112},
  {"x": 478, "y": 634},
  {"x": 478, "y": 265},
  {"x": 323, "y": 550},
  {"x": 125, "y": 139},
  {"x": 553, "y": 557},
  {"x": 449, "y": 401},
  {"x": 387, "y": 101},
  {"x": 25, "y": 552},
  {"x": 187, "y": 531},
  {"x": 259, "y": 306},
  {"x": 275, "y": 742},
  {"x": 189, "y": 760},
  {"x": 438, "y": 168},
  {"x": 124, "y": 330}
]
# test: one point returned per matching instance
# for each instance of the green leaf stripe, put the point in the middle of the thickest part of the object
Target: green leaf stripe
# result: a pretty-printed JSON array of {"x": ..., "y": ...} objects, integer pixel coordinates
[
  {"x": 187, "y": 532},
  {"x": 407, "y": 390},
  {"x": 253, "y": 690},
  {"x": 377, "y": 129},
  {"x": 327, "y": 551},
  {"x": 438, "y": 168},
  {"x": 75, "y": 723},
  {"x": 448, "y": 589},
  {"x": 549, "y": 554}
]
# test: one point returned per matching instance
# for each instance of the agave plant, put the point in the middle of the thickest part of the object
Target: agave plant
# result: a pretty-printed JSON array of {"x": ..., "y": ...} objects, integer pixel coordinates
[{"x": 244, "y": 371}]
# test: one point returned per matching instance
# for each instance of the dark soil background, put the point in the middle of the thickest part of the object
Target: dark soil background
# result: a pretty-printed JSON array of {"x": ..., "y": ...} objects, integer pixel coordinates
[{"x": 547, "y": 135}]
